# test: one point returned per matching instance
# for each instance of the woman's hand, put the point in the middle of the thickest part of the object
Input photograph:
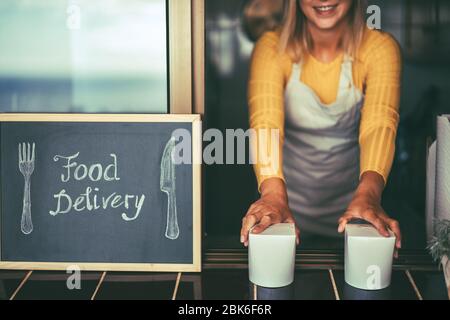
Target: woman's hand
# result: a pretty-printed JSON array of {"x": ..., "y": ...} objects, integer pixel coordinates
[
  {"x": 366, "y": 204},
  {"x": 271, "y": 208}
]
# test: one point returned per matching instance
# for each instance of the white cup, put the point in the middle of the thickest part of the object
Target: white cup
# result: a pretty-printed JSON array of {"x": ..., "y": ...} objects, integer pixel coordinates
[
  {"x": 272, "y": 256},
  {"x": 368, "y": 257}
]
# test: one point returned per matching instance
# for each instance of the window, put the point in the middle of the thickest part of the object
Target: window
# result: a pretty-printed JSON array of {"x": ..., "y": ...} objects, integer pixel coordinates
[{"x": 83, "y": 56}]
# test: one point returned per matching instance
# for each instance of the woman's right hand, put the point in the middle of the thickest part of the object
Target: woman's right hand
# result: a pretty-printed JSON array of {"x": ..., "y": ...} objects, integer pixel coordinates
[{"x": 271, "y": 208}]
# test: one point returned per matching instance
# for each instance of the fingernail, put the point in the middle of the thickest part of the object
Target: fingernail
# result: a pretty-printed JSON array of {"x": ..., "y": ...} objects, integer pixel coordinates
[{"x": 242, "y": 239}]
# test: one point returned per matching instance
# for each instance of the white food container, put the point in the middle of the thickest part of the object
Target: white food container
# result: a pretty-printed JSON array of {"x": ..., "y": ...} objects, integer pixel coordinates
[
  {"x": 272, "y": 256},
  {"x": 368, "y": 257}
]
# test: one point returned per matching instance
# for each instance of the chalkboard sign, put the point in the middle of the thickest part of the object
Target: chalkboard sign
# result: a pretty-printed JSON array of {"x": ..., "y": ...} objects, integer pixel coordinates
[{"x": 104, "y": 192}]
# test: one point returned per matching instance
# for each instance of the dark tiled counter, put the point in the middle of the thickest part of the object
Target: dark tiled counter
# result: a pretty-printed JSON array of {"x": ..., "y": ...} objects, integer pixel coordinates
[{"x": 215, "y": 284}]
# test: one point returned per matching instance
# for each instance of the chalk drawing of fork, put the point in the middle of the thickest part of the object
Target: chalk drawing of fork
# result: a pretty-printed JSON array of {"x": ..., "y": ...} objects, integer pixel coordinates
[{"x": 26, "y": 167}]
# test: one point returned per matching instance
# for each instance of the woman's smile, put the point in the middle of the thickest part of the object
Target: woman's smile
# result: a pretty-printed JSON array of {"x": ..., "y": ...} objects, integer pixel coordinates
[
  {"x": 325, "y": 15},
  {"x": 326, "y": 11}
]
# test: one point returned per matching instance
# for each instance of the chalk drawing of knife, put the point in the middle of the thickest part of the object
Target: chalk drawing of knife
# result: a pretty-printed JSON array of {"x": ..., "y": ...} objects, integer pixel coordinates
[{"x": 167, "y": 185}]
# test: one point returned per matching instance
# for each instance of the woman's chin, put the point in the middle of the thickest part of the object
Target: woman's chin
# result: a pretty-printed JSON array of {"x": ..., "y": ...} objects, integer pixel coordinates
[{"x": 326, "y": 24}]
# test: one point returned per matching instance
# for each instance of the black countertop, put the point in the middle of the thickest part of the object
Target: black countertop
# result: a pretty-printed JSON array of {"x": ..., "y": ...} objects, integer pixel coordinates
[{"x": 215, "y": 284}]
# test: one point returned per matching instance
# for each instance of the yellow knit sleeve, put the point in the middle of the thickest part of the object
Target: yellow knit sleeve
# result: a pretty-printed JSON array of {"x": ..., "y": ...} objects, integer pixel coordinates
[
  {"x": 266, "y": 107},
  {"x": 381, "y": 57}
]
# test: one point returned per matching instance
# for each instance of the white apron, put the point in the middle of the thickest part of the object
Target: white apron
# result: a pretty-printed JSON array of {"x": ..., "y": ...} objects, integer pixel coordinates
[{"x": 321, "y": 152}]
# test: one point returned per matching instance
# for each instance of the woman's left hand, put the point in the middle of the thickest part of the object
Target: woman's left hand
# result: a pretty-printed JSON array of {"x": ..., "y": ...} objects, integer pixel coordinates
[{"x": 366, "y": 205}]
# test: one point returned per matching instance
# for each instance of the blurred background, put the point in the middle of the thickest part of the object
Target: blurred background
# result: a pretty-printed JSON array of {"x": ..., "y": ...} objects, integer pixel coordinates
[
  {"x": 423, "y": 30},
  {"x": 110, "y": 56}
]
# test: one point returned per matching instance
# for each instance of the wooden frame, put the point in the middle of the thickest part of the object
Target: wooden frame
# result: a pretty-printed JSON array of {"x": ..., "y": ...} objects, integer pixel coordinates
[
  {"x": 187, "y": 56},
  {"x": 196, "y": 188},
  {"x": 198, "y": 51},
  {"x": 180, "y": 56}
]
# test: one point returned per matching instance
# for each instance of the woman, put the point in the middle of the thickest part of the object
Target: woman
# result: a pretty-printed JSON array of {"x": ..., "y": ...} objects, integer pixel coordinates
[{"x": 331, "y": 87}]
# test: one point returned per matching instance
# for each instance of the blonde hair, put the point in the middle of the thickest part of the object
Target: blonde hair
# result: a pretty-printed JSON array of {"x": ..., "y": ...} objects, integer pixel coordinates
[{"x": 296, "y": 41}]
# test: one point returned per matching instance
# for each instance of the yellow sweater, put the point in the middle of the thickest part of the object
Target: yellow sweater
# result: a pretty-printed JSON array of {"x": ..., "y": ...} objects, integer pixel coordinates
[{"x": 376, "y": 72}]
